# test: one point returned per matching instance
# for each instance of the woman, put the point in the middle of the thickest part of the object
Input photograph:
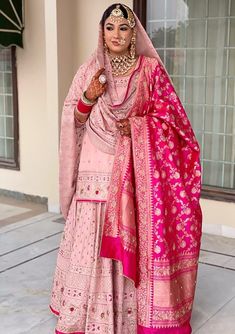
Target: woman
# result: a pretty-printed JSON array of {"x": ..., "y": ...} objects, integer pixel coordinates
[{"x": 129, "y": 186}]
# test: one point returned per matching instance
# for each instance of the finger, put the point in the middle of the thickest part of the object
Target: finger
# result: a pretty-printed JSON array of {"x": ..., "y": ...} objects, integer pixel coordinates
[{"x": 99, "y": 72}]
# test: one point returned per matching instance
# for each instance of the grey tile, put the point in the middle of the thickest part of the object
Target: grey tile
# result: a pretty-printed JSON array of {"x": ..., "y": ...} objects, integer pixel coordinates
[
  {"x": 25, "y": 254},
  {"x": 218, "y": 244},
  {"x": 212, "y": 258},
  {"x": 27, "y": 234},
  {"x": 46, "y": 327},
  {"x": 230, "y": 264},
  {"x": 28, "y": 221},
  {"x": 7, "y": 211},
  {"x": 222, "y": 322},
  {"x": 25, "y": 293},
  {"x": 215, "y": 287}
]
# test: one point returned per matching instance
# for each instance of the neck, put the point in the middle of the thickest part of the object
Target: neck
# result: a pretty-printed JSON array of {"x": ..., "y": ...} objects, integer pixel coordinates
[{"x": 115, "y": 54}]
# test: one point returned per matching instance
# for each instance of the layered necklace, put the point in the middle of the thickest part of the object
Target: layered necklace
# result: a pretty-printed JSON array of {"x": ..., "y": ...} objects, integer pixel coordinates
[{"x": 121, "y": 64}]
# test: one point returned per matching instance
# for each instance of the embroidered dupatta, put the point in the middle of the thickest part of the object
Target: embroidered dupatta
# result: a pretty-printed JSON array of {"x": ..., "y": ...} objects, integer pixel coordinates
[{"x": 153, "y": 216}]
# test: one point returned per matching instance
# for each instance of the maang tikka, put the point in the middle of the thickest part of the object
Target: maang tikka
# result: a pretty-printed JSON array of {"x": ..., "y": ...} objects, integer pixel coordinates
[{"x": 117, "y": 15}]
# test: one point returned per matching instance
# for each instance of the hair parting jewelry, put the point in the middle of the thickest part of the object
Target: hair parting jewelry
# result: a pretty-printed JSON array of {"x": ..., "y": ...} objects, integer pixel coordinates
[{"x": 117, "y": 16}]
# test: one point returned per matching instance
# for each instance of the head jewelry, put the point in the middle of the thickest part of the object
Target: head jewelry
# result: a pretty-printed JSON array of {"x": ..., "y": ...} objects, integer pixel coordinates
[{"x": 117, "y": 15}]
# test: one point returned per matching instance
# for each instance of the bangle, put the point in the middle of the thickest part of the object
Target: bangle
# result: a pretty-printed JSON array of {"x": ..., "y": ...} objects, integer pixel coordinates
[
  {"x": 86, "y": 101},
  {"x": 80, "y": 118},
  {"x": 83, "y": 108}
]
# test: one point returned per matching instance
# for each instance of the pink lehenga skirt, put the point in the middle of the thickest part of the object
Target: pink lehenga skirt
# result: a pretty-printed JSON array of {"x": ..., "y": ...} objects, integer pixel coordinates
[{"x": 90, "y": 293}]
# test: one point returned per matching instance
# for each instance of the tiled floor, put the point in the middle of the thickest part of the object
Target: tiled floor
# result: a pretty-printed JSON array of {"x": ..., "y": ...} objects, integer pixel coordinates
[
  {"x": 28, "y": 251},
  {"x": 13, "y": 210}
]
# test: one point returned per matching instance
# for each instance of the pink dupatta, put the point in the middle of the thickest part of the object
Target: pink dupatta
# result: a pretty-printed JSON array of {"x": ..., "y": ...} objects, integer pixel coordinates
[{"x": 153, "y": 216}]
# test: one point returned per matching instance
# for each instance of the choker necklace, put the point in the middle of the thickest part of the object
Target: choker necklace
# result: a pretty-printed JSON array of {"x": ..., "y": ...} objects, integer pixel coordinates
[{"x": 121, "y": 64}]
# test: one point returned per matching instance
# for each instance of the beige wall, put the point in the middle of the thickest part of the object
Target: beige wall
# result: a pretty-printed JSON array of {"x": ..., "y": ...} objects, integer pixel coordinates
[
  {"x": 218, "y": 218},
  {"x": 32, "y": 177}
]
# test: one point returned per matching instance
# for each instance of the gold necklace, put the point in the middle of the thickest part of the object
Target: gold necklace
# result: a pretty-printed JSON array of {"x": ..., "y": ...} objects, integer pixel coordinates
[{"x": 121, "y": 64}]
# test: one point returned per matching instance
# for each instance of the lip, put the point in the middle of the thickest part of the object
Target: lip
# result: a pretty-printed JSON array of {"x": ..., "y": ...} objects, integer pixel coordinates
[{"x": 115, "y": 43}]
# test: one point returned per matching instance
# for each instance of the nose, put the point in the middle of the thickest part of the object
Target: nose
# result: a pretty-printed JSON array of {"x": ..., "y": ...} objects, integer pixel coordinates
[{"x": 116, "y": 33}]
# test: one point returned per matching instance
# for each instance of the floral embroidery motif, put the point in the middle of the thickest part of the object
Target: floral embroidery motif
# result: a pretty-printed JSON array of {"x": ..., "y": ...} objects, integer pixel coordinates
[{"x": 92, "y": 186}]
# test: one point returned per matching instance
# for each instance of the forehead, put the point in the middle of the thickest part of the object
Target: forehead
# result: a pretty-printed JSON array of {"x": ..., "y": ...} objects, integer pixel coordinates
[{"x": 116, "y": 21}]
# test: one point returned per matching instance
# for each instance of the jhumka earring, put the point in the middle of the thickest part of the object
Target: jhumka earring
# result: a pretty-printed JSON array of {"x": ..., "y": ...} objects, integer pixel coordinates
[
  {"x": 106, "y": 49},
  {"x": 133, "y": 45}
]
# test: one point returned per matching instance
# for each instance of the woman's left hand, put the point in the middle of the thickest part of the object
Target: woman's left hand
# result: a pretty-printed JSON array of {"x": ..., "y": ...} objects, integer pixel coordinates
[{"x": 124, "y": 127}]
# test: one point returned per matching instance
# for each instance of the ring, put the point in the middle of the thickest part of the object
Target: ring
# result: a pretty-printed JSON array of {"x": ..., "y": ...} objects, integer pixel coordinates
[{"x": 102, "y": 79}]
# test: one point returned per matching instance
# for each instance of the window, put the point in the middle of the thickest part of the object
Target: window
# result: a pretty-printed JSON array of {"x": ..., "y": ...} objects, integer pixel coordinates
[
  {"x": 8, "y": 110},
  {"x": 196, "y": 41}
]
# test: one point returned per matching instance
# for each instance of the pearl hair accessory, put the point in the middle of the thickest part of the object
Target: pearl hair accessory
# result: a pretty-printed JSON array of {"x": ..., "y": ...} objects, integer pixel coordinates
[{"x": 117, "y": 16}]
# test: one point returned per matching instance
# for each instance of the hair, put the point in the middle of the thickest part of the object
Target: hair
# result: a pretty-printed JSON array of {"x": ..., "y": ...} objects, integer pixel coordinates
[{"x": 109, "y": 10}]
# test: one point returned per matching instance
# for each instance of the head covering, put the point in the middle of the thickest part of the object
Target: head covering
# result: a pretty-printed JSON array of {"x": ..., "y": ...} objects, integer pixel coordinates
[{"x": 144, "y": 46}]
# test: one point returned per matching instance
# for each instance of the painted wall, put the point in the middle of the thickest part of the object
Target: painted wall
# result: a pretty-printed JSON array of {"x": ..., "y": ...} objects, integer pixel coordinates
[
  {"x": 218, "y": 218},
  {"x": 32, "y": 177}
]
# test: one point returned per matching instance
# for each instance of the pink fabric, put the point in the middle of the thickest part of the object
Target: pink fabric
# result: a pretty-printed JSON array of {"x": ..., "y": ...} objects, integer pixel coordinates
[
  {"x": 186, "y": 329},
  {"x": 58, "y": 332},
  {"x": 114, "y": 248},
  {"x": 54, "y": 311},
  {"x": 161, "y": 163},
  {"x": 89, "y": 292}
]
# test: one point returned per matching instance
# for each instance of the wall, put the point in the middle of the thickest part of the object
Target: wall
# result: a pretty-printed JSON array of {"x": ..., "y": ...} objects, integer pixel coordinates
[
  {"x": 218, "y": 218},
  {"x": 31, "y": 178}
]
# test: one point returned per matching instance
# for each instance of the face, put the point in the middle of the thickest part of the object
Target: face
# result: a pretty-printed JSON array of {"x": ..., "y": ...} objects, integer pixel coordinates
[{"x": 117, "y": 36}]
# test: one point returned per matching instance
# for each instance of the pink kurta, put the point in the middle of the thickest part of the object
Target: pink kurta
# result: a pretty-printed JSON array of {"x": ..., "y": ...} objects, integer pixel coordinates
[{"x": 90, "y": 293}]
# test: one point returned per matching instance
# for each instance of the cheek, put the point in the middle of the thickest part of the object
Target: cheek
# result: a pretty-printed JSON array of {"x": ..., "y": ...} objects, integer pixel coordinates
[
  {"x": 127, "y": 36},
  {"x": 107, "y": 35},
  {"x": 128, "y": 39}
]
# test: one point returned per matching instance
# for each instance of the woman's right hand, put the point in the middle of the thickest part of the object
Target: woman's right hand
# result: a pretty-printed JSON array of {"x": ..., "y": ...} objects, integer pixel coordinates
[{"x": 95, "y": 89}]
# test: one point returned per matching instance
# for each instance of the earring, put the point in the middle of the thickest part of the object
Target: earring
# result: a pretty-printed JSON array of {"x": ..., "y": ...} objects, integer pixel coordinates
[
  {"x": 133, "y": 45},
  {"x": 106, "y": 49}
]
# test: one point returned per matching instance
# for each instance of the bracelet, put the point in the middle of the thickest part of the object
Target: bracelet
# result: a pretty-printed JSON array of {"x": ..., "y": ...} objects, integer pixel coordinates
[
  {"x": 83, "y": 108},
  {"x": 86, "y": 101},
  {"x": 80, "y": 118}
]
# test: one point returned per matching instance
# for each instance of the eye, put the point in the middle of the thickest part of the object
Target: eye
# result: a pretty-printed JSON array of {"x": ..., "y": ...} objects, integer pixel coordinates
[
  {"x": 109, "y": 28},
  {"x": 123, "y": 28}
]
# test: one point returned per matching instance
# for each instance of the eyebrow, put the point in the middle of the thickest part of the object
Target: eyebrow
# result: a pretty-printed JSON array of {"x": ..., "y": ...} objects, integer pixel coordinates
[{"x": 121, "y": 25}]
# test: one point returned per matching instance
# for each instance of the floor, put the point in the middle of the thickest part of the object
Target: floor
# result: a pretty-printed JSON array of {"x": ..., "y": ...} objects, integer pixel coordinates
[{"x": 28, "y": 246}]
